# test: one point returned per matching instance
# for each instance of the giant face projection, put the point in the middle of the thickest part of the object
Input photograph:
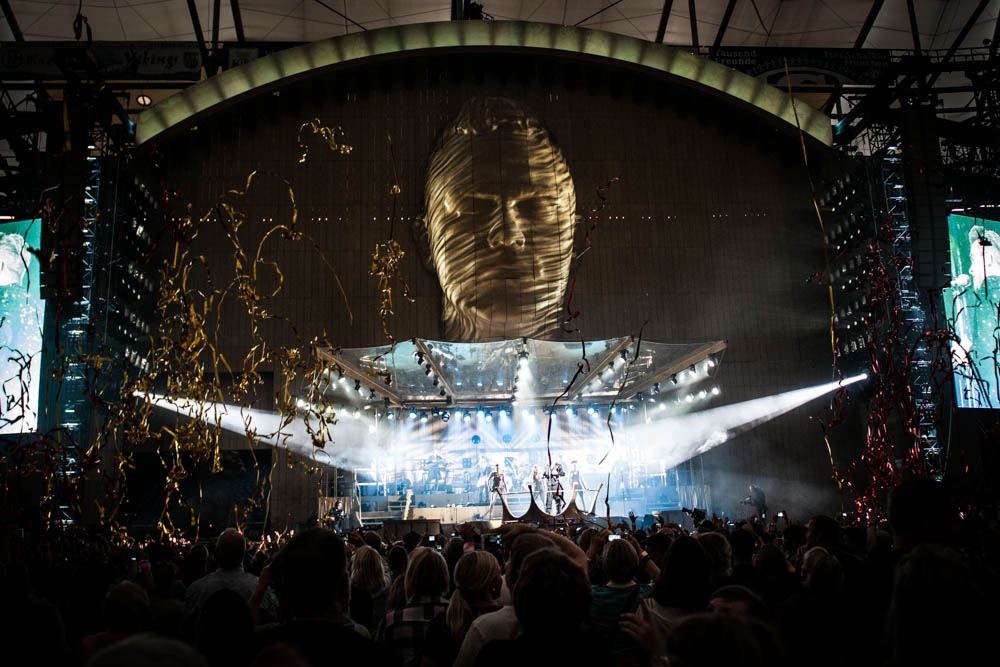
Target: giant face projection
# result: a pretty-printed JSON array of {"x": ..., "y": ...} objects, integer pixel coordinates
[{"x": 499, "y": 223}]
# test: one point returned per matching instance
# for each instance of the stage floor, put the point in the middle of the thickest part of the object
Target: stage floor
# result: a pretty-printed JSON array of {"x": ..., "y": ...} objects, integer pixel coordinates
[{"x": 456, "y": 508}]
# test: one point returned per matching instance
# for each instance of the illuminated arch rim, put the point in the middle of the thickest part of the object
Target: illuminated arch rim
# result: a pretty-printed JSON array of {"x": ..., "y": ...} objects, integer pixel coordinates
[{"x": 290, "y": 65}]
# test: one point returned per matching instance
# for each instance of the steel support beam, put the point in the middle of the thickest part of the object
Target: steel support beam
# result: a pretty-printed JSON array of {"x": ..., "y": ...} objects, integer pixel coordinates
[
  {"x": 869, "y": 22},
  {"x": 237, "y": 20},
  {"x": 723, "y": 26},
  {"x": 8, "y": 13},
  {"x": 206, "y": 60},
  {"x": 599, "y": 11},
  {"x": 693, "y": 15},
  {"x": 216, "y": 12},
  {"x": 913, "y": 26},
  {"x": 958, "y": 40},
  {"x": 664, "y": 18}
]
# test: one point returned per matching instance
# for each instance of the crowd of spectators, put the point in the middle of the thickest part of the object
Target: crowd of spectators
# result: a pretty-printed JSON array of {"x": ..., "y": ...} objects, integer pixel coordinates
[{"x": 917, "y": 588}]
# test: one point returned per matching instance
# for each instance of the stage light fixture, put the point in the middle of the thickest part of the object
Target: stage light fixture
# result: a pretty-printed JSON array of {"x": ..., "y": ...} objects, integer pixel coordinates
[
  {"x": 480, "y": 412},
  {"x": 673, "y": 379},
  {"x": 488, "y": 416},
  {"x": 502, "y": 411},
  {"x": 591, "y": 410},
  {"x": 413, "y": 413},
  {"x": 427, "y": 371},
  {"x": 340, "y": 376},
  {"x": 656, "y": 388},
  {"x": 143, "y": 100},
  {"x": 423, "y": 417},
  {"x": 715, "y": 391},
  {"x": 390, "y": 416},
  {"x": 442, "y": 393},
  {"x": 467, "y": 416},
  {"x": 445, "y": 415},
  {"x": 357, "y": 385}
]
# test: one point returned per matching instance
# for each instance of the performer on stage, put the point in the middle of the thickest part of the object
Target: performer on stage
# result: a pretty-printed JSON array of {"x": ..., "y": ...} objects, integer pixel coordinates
[
  {"x": 576, "y": 479},
  {"x": 335, "y": 517},
  {"x": 497, "y": 484},
  {"x": 436, "y": 471},
  {"x": 554, "y": 491},
  {"x": 538, "y": 485},
  {"x": 757, "y": 500}
]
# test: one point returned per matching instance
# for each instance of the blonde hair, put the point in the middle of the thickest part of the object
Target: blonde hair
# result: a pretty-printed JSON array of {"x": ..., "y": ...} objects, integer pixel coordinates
[
  {"x": 475, "y": 572},
  {"x": 426, "y": 574},
  {"x": 367, "y": 570}
]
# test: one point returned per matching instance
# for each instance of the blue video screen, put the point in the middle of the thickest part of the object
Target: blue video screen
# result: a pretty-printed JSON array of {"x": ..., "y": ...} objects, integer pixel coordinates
[
  {"x": 972, "y": 306},
  {"x": 21, "y": 319}
]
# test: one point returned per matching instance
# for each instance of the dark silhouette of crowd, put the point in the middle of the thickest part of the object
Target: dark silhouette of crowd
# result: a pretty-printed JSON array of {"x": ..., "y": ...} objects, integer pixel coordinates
[{"x": 916, "y": 587}]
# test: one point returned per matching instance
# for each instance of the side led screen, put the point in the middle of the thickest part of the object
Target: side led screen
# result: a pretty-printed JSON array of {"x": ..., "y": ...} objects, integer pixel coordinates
[
  {"x": 21, "y": 316},
  {"x": 972, "y": 305}
]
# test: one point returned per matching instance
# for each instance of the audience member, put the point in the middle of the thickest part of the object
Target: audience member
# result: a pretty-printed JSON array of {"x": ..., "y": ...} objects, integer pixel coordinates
[
  {"x": 501, "y": 624},
  {"x": 778, "y": 580},
  {"x": 225, "y": 630},
  {"x": 720, "y": 553},
  {"x": 477, "y": 587},
  {"x": 683, "y": 588},
  {"x": 426, "y": 580},
  {"x": 818, "y": 616},
  {"x": 745, "y": 543},
  {"x": 938, "y": 615},
  {"x": 126, "y": 613},
  {"x": 736, "y": 599},
  {"x": 369, "y": 588},
  {"x": 551, "y": 599},
  {"x": 397, "y": 560},
  {"x": 310, "y": 579},
  {"x": 148, "y": 651},
  {"x": 621, "y": 595},
  {"x": 710, "y": 640},
  {"x": 230, "y": 550}
]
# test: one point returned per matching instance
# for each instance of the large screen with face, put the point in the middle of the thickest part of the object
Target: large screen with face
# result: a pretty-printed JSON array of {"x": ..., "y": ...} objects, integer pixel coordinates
[
  {"x": 21, "y": 317},
  {"x": 972, "y": 304}
]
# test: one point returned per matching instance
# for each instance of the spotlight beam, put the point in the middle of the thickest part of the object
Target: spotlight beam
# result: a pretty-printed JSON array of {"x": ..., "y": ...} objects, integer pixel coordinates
[
  {"x": 355, "y": 444},
  {"x": 678, "y": 439}
]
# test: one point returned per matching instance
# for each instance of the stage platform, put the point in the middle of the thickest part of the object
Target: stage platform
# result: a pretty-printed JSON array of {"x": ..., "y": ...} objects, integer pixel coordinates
[{"x": 446, "y": 510}]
